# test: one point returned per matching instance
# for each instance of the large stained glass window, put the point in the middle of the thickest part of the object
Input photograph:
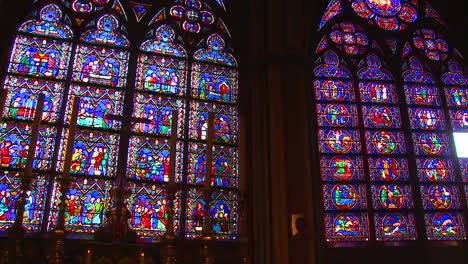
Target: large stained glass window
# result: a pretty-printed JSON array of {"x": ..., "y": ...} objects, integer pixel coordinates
[
  {"x": 38, "y": 64},
  {"x": 385, "y": 135}
]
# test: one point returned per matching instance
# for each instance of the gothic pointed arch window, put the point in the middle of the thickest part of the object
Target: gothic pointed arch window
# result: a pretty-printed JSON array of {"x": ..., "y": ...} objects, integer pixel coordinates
[
  {"x": 388, "y": 166},
  {"x": 128, "y": 90}
]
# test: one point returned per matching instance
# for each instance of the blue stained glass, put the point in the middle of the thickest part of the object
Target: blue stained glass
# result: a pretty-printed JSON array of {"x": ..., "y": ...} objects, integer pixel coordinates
[
  {"x": 48, "y": 24},
  {"x": 334, "y": 8},
  {"x": 391, "y": 196},
  {"x": 224, "y": 165},
  {"x": 163, "y": 43},
  {"x": 440, "y": 197},
  {"x": 341, "y": 168},
  {"x": 149, "y": 159},
  {"x": 455, "y": 74},
  {"x": 96, "y": 106},
  {"x": 225, "y": 122},
  {"x": 214, "y": 83},
  {"x": 101, "y": 66},
  {"x": 464, "y": 169},
  {"x": 388, "y": 169},
  {"x": 417, "y": 94},
  {"x": 426, "y": 118},
  {"x": 93, "y": 153},
  {"x": 385, "y": 142},
  {"x": 14, "y": 146},
  {"x": 334, "y": 90},
  {"x": 106, "y": 33},
  {"x": 88, "y": 202},
  {"x": 346, "y": 227},
  {"x": 445, "y": 226},
  {"x": 40, "y": 57},
  {"x": 459, "y": 119},
  {"x": 331, "y": 67},
  {"x": 337, "y": 115},
  {"x": 431, "y": 144},
  {"x": 381, "y": 116},
  {"x": 339, "y": 141},
  {"x": 149, "y": 210},
  {"x": 10, "y": 191},
  {"x": 161, "y": 74},
  {"x": 22, "y": 97},
  {"x": 395, "y": 226},
  {"x": 373, "y": 71},
  {"x": 457, "y": 96},
  {"x": 215, "y": 52},
  {"x": 344, "y": 196},
  {"x": 435, "y": 170},
  {"x": 223, "y": 210},
  {"x": 416, "y": 74},
  {"x": 377, "y": 92},
  {"x": 158, "y": 111}
]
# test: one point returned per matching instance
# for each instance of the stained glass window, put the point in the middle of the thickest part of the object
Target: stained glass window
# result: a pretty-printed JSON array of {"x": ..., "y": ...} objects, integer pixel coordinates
[
  {"x": 123, "y": 130},
  {"x": 439, "y": 194},
  {"x": 334, "y": 8}
]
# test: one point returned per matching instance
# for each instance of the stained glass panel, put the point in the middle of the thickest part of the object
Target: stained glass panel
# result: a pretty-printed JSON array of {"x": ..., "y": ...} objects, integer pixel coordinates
[
  {"x": 337, "y": 115},
  {"x": 395, "y": 226},
  {"x": 93, "y": 153},
  {"x": 334, "y": 8},
  {"x": 339, "y": 141},
  {"x": 445, "y": 226},
  {"x": 459, "y": 119},
  {"x": 161, "y": 74},
  {"x": 377, "y": 92},
  {"x": 158, "y": 111},
  {"x": 431, "y": 144},
  {"x": 106, "y": 33},
  {"x": 214, "y": 83},
  {"x": 48, "y": 24},
  {"x": 224, "y": 165},
  {"x": 40, "y": 57},
  {"x": 344, "y": 196},
  {"x": 341, "y": 168},
  {"x": 440, "y": 197},
  {"x": 163, "y": 43},
  {"x": 346, "y": 227},
  {"x": 149, "y": 209},
  {"x": 14, "y": 146},
  {"x": 149, "y": 159},
  {"x": 104, "y": 66},
  {"x": 334, "y": 90},
  {"x": 385, "y": 142},
  {"x": 10, "y": 191},
  {"x": 435, "y": 170},
  {"x": 225, "y": 122},
  {"x": 215, "y": 52},
  {"x": 426, "y": 118},
  {"x": 223, "y": 210},
  {"x": 22, "y": 97},
  {"x": 388, "y": 169},
  {"x": 391, "y": 196},
  {"x": 457, "y": 96},
  {"x": 88, "y": 202},
  {"x": 381, "y": 116},
  {"x": 96, "y": 106}
]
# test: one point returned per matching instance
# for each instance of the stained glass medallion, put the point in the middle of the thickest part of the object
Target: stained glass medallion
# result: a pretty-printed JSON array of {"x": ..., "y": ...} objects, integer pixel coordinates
[
  {"x": 435, "y": 170},
  {"x": 426, "y": 118},
  {"x": 445, "y": 226},
  {"x": 337, "y": 115},
  {"x": 385, "y": 142},
  {"x": 440, "y": 197},
  {"x": 341, "y": 168},
  {"x": 395, "y": 226},
  {"x": 431, "y": 44},
  {"x": 346, "y": 227},
  {"x": 457, "y": 96},
  {"x": 344, "y": 196},
  {"x": 459, "y": 119},
  {"x": 349, "y": 38},
  {"x": 392, "y": 197},
  {"x": 193, "y": 15},
  {"x": 334, "y": 90},
  {"x": 431, "y": 144},
  {"x": 422, "y": 95},
  {"x": 388, "y": 169},
  {"x": 377, "y": 92},
  {"x": 381, "y": 116},
  {"x": 339, "y": 141}
]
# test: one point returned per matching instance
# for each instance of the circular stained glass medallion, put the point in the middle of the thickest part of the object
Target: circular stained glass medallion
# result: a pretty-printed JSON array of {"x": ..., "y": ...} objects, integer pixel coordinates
[
  {"x": 391, "y": 197},
  {"x": 334, "y": 90},
  {"x": 380, "y": 116},
  {"x": 435, "y": 169},
  {"x": 427, "y": 118},
  {"x": 394, "y": 225},
  {"x": 342, "y": 168},
  {"x": 440, "y": 197},
  {"x": 444, "y": 224},
  {"x": 346, "y": 225},
  {"x": 339, "y": 141},
  {"x": 337, "y": 115},
  {"x": 386, "y": 8},
  {"x": 384, "y": 142},
  {"x": 430, "y": 143},
  {"x": 388, "y": 168}
]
